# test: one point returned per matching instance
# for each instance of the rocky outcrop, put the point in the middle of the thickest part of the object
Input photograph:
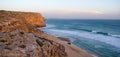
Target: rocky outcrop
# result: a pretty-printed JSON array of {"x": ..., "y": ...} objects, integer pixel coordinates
[
  {"x": 27, "y": 21},
  {"x": 19, "y": 36},
  {"x": 65, "y": 39}
]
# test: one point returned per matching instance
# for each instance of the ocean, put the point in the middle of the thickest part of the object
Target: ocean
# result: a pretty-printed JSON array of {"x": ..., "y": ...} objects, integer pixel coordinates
[{"x": 100, "y": 37}]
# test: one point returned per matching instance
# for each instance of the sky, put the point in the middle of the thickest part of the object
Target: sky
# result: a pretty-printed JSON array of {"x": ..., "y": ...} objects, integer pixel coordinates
[{"x": 66, "y": 9}]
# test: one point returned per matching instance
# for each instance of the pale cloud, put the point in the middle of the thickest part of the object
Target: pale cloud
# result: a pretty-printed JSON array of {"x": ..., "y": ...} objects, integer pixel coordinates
[
  {"x": 90, "y": 11},
  {"x": 93, "y": 12}
]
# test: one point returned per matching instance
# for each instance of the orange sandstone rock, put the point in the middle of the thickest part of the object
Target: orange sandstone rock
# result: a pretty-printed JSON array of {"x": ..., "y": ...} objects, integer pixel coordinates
[{"x": 19, "y": 36}]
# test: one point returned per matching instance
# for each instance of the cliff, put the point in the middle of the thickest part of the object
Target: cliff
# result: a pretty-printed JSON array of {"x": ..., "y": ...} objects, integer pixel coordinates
[
  {"x": 27, "y": 21},
  {"x": 19, "y": 37}
]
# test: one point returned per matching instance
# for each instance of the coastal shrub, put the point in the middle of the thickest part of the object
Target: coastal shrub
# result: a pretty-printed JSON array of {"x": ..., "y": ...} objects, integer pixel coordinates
[
  {"x": 21, "y": 32},
  {"x": 7, "y": 48},
  {"x": 3, "y": 56},
  {"x": 28, "y": 55},
  {"x": 39, "y": 42},
  {"x": 0, "y": 36},
  {"x": 0, "y": 27},
  {"x": 7, "y": 43},
  {"x": 3, "y": 40},
  {"x": 12, "y": 35},
  {"x": 22, "y": 46}
]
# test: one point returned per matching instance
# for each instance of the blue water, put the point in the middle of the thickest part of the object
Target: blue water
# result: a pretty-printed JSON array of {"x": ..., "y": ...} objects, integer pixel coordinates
[{"x": 101, "y": 37}]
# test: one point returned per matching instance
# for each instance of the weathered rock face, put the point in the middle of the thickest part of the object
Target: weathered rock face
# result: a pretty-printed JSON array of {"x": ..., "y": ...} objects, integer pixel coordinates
[
  {"x": 34, "y": 19},
  {"x": 17, "y": 37},
  {"x": 10, "y": 20}
]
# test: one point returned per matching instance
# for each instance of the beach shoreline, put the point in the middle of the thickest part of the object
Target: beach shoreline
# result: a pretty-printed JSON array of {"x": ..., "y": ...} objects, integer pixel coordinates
[{"x": 71, "y": 49}]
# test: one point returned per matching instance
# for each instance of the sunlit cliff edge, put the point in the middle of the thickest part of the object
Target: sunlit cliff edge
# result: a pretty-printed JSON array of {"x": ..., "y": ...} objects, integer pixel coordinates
[{"x": 20, "y": 37}]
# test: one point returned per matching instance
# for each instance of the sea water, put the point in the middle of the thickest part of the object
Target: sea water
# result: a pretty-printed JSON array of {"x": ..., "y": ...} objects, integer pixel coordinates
[{"x": 101, "y": 37}]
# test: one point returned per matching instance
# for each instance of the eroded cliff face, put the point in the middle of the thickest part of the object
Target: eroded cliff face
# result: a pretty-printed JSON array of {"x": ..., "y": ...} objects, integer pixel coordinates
[
  {"x": 19, "y": 36},
  {"x": 27, "y": 21}
]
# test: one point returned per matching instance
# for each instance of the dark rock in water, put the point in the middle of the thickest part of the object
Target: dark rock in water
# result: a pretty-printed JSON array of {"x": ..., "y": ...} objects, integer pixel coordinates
[{"x": 103, "y": 33}]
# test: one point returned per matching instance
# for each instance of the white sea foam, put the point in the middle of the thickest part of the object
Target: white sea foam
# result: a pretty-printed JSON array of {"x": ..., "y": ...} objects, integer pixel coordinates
[
  {"x": 106, "y": 39},
  {"x": 118, "y": 36},
  {"x": 94, "y": 31},
  {"x": 49, "y": 25}
]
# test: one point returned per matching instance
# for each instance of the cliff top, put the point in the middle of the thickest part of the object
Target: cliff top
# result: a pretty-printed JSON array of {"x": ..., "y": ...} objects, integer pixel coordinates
[{"x": 11, "y": 20}]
